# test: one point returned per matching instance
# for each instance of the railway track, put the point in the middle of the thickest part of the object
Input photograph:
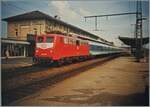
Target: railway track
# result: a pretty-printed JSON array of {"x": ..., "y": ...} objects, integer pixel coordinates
[{"x": 30, "y": 80}]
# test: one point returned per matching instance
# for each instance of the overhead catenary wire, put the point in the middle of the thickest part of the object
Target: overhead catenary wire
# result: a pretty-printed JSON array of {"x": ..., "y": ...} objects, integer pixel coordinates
[{"x": 12, "y": 5}]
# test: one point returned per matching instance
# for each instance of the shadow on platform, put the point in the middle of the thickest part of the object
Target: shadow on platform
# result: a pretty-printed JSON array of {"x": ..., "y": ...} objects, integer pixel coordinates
[{"x": 104, "y": 99}]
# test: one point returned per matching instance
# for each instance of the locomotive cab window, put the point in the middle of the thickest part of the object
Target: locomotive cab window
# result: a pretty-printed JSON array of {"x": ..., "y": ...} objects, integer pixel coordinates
[
  {"x": 40, "y": 39},
  {"x": 49, "y": 39}
]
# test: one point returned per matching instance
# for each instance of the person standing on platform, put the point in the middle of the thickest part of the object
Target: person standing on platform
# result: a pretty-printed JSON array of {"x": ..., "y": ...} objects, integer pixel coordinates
[{"x": 7, "y": 54}]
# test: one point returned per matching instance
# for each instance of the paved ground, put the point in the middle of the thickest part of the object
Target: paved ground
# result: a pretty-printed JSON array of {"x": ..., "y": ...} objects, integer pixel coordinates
[
  {"x": 15, "y": 63},
  {"x": 118, "y": 82}
]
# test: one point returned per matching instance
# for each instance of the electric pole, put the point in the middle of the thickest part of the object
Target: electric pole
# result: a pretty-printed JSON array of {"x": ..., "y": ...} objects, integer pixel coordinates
[
  {"x": 138, "y": 31},
  {"x": 138, "y": 27}
]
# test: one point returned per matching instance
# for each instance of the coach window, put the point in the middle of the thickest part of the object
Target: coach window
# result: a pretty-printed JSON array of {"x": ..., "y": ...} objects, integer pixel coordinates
[
  {"x": 102, "y": 48},
  {"x": 107, "y": 48},
  {"x": 94, "y": 47}
]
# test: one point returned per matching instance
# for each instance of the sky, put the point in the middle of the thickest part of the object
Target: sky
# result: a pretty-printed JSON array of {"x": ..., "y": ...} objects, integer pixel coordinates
[{"x": 73, "y": 12}]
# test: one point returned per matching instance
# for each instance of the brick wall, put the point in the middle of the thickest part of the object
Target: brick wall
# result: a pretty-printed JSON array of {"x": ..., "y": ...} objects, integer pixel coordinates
[{"x": 20, "y": 29}]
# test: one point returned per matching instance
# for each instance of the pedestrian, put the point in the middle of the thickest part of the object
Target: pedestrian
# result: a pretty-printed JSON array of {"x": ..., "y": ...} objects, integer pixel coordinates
[{"x": 7, "y": 54}]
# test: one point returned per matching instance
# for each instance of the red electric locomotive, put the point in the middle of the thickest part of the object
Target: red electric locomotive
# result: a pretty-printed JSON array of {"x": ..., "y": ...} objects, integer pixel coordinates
[{"x": 58, "y": 48}]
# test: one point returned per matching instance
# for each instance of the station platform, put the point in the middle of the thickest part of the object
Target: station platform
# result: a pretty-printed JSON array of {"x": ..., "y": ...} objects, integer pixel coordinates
[
  {"x": 121, "y": 81},
  {"x": 13, "y": 63}
]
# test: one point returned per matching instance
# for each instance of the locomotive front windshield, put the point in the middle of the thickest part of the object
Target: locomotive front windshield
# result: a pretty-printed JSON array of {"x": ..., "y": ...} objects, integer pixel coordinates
[
  {"x": 49, "y": 39},
  {"x": 40, "y": 39}
]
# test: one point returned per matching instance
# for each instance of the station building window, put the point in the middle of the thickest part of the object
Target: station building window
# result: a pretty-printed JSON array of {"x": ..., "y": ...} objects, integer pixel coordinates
[{"x": 16, "y": 32}]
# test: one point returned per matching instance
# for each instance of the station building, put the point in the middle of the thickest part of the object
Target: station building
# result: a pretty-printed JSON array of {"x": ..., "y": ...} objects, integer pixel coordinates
[{"x": 22, "y": 28}]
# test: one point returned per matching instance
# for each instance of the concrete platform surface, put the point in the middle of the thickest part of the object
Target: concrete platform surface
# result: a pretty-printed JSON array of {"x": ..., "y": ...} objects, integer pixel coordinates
[
  {"x": 13, "y": 63},
  {"x": 118, "y": 82}
]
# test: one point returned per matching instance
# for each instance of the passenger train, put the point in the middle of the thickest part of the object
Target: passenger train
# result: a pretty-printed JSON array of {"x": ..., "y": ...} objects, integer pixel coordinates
[{"x": 60, "y": 48}]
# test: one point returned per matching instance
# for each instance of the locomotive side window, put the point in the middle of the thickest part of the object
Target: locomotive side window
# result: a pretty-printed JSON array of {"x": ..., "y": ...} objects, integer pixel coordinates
[
  {"x": 70, "y": 41},
  {"x": 65, "y": 40},
  {"x": 82, "y": 43},
  {"x": 74, "y": 42},
  {"x": 49, "y": 39},
  {"x": 40, "y": 39}
]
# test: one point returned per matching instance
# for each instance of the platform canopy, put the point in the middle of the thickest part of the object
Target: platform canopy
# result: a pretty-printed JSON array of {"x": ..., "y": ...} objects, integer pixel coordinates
[{"x": 131, "y": 41}]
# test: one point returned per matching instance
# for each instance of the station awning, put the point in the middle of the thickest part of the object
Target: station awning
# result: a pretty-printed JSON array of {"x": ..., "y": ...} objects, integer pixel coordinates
[
  {"x": 14, "y": 41},
  {"x": 131, "y": 41}
]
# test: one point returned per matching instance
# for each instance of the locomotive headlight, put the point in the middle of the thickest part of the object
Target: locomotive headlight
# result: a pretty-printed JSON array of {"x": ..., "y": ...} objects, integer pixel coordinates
[{"x": 37, "y": 51}]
